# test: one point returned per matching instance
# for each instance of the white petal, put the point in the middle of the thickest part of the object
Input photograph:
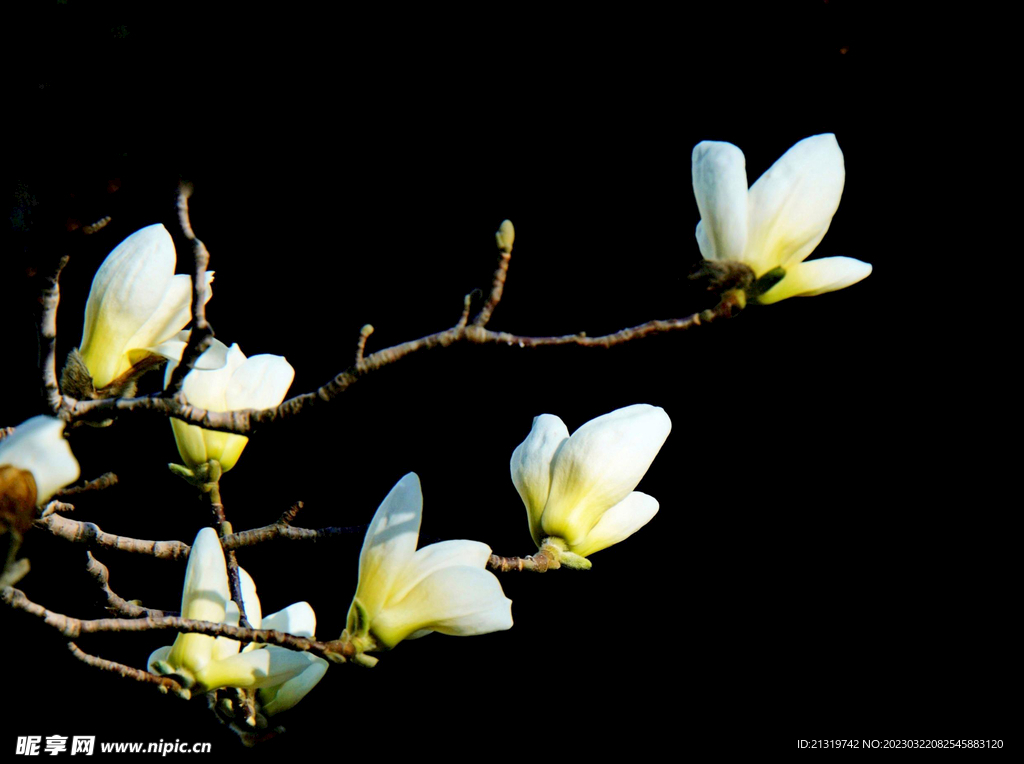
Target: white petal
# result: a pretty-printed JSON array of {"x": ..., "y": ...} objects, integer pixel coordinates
[
  {"x": 204, "y": 598},
  {"x": 531, "y": 466},
  {"x": 720, "y": 186},
  {"x": 390, "y": 543},
  {"x": 456, "y": 600},
  {"x": 298, "y": 619},
  {"x": 253, "y": 610},
  {"x": 225, "y": 647},
  {"x": 256, "y": 668},
  {"x": 127, "y": 289},
  {"x": 618, "y": 523},
  {"x": 261, "y": 382},
  {"x": 444, "y": 554},
  {"x": 38, "y": 446},
  {"x": 278, "y": 699},
  {"x": 792, "y": 204},
  {"x": 817, "y": 276},
  {"x": 599, "y": 466}
]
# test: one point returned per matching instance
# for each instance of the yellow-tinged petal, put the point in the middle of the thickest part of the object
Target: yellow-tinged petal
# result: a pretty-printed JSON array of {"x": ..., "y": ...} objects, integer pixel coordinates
[
  {"x": 816, "y": 277},
  {"x": 37, "y": 445},
  {"x": 459, "y": 600},
  {"x": 204, "y": 598},
  {"x": 618, "y": 523},
  {"x": 257, "y": 668},
  {"x": 531, "y": 467},
  {"x": 599, "y": 466},
  {"x": 390, "y": 543},
  {"x": 792, "y": 204}
]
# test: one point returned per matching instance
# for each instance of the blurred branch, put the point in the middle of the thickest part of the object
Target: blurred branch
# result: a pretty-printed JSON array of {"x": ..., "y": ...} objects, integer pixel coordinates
[
  {"x": 105, "y": 480},
  {"x": 164, "y": 684},
  {"x": 115, "y": 604}
]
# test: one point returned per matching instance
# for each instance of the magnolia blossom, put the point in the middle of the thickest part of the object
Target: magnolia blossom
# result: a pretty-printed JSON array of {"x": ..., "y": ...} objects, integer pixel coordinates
[
  {"x": 404, "y": 593},
  {"x": 136, "y": 303},
  {"x": 38, "y": 446},
  {"x": 780, "y": 220},
  {"x": 223, "y": 379},
  {"x": 206, "y": 663},
  {"x": 578, "y": 490}
]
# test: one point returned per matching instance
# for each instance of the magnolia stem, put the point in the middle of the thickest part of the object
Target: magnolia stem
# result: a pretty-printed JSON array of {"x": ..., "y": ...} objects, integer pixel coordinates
[{"x": 539, "y": 563}]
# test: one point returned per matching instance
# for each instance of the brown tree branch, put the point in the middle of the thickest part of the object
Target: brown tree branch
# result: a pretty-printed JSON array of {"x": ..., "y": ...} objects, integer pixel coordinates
[
  {"x": 115, "y": 604},
  {"x": 336, "y": 651},
  {"x": 90, "y": 534},
  {"x": 245, "y": 421},
  {"x": 47, "y": 323},
  {"x": 164, "y": 684},
  {"x": 105, "y": 480},
  {"x": 537, "y": 563},
  {"x": 202, "y": 333}
]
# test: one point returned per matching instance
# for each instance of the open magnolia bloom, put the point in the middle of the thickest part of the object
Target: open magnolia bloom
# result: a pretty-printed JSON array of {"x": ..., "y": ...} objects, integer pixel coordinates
[
  {"x": 203, "y": 663},
  {"x": 404, "y": 593},
  {"x": 223, "y": 379},
  {"x": 37, "y": 446},
  {"x": 774, "y": 226},
  {"x": 136, "y": 303},
  {"x": 578, "y": 490}
]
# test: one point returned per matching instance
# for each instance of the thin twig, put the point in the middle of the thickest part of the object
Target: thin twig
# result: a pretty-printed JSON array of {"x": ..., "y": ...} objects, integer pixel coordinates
[
  {"x": 164, "y": 684},
  {"x": 245, "y": 421},
  {"x": 105, "y": 480},
  {"x": 5, "y": 431},
  {"x": 99, "y": 225},
  {"x": 504, "y": 238},
  {"x": 336, "y": 651},
  {"x": 116, "y": 604},
  {"x": 56, "y": 506},
  {"x": 288, "y": 516},
  {"x": 48, "y": 301},
  {"x": 202, "y": 333},
  {"x": 364, "y": 333},
  {"x": 90, "y": 534}
]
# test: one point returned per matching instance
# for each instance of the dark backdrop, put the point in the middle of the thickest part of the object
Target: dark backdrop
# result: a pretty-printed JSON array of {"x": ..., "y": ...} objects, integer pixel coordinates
[{"x": 809, "y": 574}]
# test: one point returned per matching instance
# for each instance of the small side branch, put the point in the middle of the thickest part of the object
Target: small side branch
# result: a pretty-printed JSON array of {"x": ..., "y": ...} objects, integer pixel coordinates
[
  {"x": 162, "y": 683},
  {"x": 47, "y": 322},
  {"x": 115, "y": 604},
  {"x": 202, "y": 333},
  {"x": 105, "y": 480},
  {"x": 364, "y": 334},
  {"x": 504, "y": 238}
]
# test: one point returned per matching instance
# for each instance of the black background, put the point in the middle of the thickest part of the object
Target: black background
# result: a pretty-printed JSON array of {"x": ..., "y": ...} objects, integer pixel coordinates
[{"x": 822, "y": 564}]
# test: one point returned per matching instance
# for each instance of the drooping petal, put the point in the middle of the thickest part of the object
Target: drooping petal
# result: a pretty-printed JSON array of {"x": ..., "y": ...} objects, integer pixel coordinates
[
  {"x": 38, "y": 446},
  {"x": 792, "y": 204},
  {"x": 531, "y": 466},
  {"x": 816, "y": 277},
  {"x": 599, "y": 466},
  {"x": 457, "y": 600},
  {"x": 618, "y": 523},
  {"x": 127, "y": 290},
  {"x": 720, "y": 187},
  {"x": 278, "y": 699},
  {"x": 444, "y": 554},
  {"x": 204, "y": 598},
  {"x": 255, "y": 668},
  {"x": 298, "y": 619},
  {"x": 390, "y": 543}
]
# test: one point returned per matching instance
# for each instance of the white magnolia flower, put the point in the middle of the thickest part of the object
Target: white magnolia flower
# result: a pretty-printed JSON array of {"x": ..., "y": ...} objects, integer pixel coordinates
[
  {"x": 578, "y": 490},
  {"x": 223, "y": 379},
  {"x": 136, "y": 303},
  {"x": 38, "y": 446},
  {"x": 283, "y": 676},
  {"x": 404, "y": 593},
  {"x": 780, "y": 220}
]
